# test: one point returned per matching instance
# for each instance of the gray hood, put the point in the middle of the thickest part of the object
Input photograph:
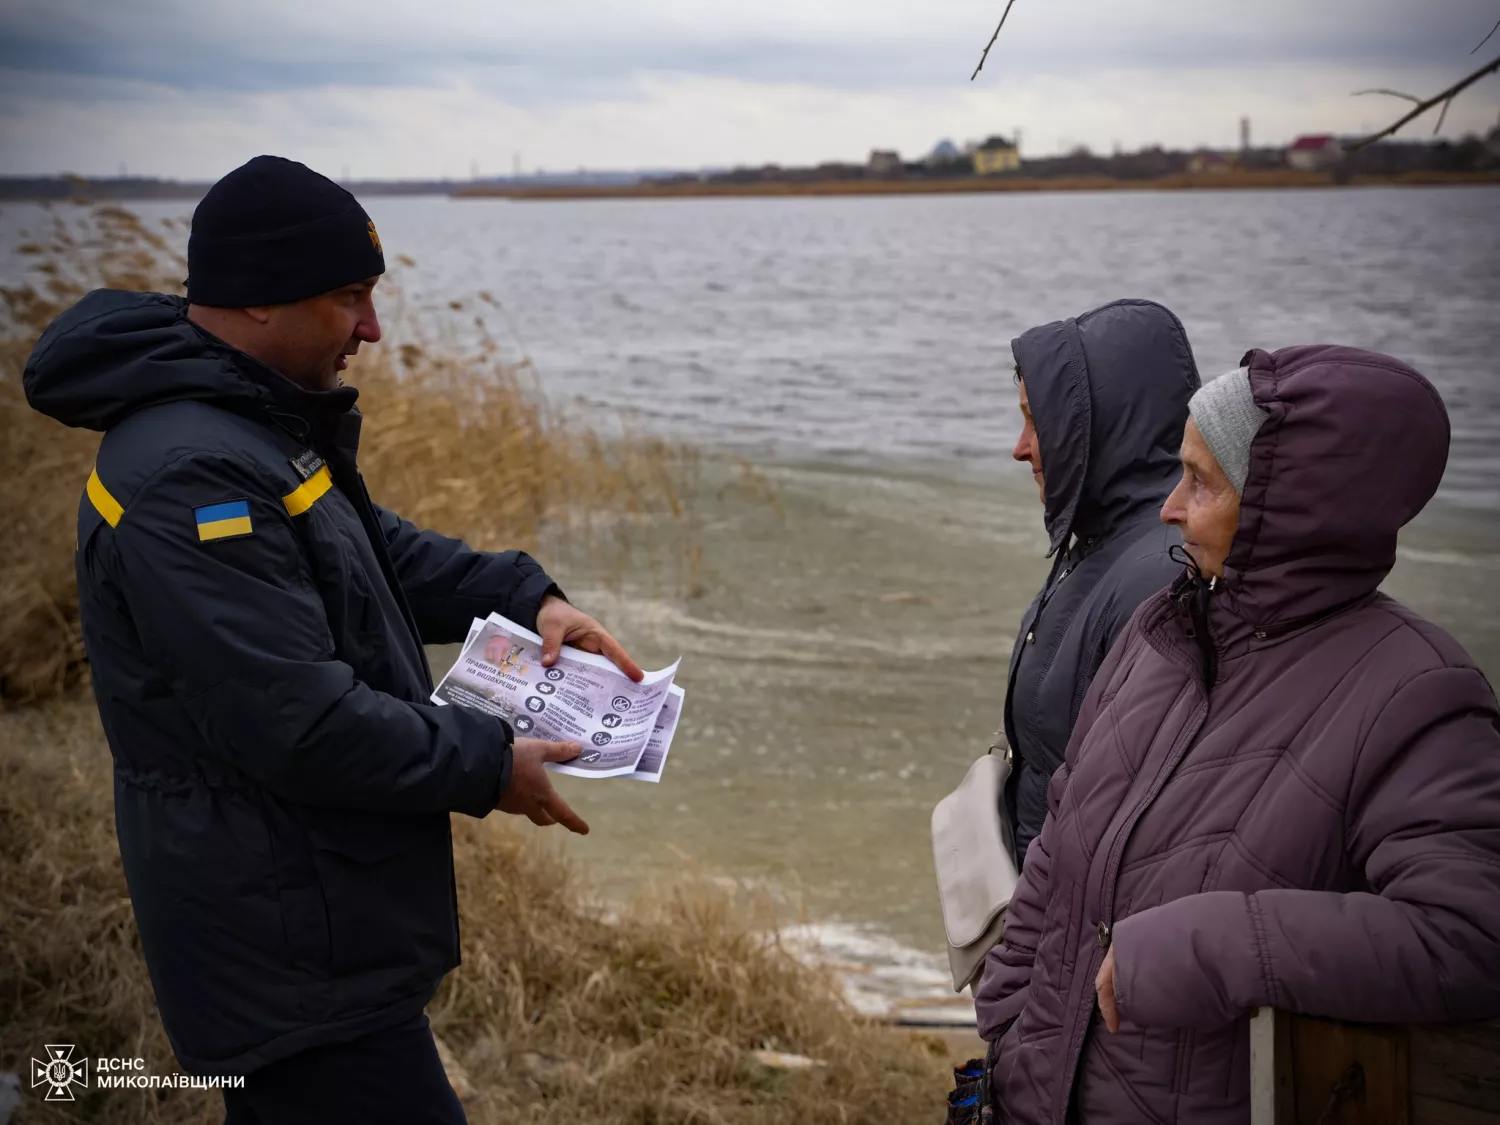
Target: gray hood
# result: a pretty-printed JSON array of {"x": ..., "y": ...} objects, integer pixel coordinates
[{"x": 1109, "y": 393}]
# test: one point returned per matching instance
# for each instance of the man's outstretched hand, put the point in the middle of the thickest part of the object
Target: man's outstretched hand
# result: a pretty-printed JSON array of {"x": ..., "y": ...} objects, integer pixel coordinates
[
  {"x": 561, "y": 623},
  {"x": 531, "y": 793}
]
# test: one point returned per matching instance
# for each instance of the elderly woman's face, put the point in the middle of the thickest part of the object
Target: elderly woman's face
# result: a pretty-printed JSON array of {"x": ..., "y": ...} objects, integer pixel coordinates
[
  {"x": 1204, "y": 506},
  {"x": 1027, "y": 448}
]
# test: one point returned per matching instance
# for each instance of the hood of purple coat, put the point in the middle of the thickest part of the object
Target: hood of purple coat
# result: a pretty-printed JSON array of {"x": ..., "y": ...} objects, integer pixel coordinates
[{"x": 1354, "y": 446}]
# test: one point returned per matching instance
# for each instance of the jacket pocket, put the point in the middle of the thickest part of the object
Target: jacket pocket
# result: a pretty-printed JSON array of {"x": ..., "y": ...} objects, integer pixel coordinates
[
  {"x": 387, "y": 880},
  {"x": 304, "y": 912}
]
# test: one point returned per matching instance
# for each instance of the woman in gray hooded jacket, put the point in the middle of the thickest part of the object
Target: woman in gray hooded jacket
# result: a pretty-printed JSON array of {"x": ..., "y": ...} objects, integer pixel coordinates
[{"x": 1105, "y": 398}]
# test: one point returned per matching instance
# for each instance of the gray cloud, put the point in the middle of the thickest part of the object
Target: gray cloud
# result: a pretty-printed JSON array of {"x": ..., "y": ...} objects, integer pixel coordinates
[
  {"x": 580, "y": 49},
  {"x": 429, "y": 87}
]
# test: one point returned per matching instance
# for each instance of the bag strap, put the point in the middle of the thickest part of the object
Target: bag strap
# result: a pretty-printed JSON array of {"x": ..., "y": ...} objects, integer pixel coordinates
[{"x": 999, "y": 744}]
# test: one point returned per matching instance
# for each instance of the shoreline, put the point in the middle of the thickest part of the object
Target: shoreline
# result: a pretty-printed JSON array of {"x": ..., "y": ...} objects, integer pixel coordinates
[
  {"x": 90, "y": 194},
  {"x": 976, "y": 185}
]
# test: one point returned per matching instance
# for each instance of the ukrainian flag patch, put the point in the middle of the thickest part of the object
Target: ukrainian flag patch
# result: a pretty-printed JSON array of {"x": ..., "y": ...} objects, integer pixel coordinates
[{"x": 229, "y": 520}]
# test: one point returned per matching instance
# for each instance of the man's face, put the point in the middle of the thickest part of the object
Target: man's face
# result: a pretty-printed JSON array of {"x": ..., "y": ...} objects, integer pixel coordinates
[
  {"x": 1204, "y": 506},
  {"x": 1027, "y": 449},
  {"x": 309, "y": 341}
]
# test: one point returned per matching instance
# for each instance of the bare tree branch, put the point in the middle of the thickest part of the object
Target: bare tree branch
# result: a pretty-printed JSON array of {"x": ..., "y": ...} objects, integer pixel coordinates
[
  {"x": 1388, "y": 93},
  {"x": 1487, "y": 38},
  {"x": 1010, "y": 4},
  {"x": 1438, "y": 128},
  {"x": 1431, "y": 103}
]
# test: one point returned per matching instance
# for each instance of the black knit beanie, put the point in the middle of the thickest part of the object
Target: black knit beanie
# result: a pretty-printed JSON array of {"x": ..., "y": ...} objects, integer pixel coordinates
[{"x": 274, "y": 231}]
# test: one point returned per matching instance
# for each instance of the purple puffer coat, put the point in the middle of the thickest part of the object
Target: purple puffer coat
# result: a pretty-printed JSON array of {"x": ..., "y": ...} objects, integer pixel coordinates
[{"x": 1317, "y": 830}]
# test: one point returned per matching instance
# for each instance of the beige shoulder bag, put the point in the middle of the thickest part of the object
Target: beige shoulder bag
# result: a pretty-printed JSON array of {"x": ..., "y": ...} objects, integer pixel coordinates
[{"x": 971, "y": 848}]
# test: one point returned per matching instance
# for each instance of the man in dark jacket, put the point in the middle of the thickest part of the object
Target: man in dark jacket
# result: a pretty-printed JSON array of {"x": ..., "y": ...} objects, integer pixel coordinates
[
  {"x": 254, "y": 623},
  {"x": 1104, "y": 398}
]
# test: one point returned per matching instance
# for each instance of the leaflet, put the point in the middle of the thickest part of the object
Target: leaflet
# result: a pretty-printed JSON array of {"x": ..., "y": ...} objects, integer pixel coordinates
[
  {"x": 654, "y": 760},
  {"x": 582, "y": 698}
]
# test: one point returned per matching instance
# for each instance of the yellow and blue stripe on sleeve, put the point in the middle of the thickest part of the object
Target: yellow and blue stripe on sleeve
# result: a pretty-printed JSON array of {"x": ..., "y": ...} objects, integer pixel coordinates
[{"x": 223, "y": 521}]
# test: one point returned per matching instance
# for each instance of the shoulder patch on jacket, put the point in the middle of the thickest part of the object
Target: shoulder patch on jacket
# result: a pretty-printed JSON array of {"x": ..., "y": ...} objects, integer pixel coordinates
[
  {"x": 306, "y": 464},
  {"x": 306, "y": 494},
  {"x": 228, "y": 520}
]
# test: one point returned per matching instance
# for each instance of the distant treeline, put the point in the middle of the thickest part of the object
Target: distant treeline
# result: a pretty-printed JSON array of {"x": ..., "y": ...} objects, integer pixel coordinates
[
  {"x": 122, "y": 189},
  {"x": 1392, "y": 158},
  {"x": 1385, "y": 160},
  {"x": 85, "y": 189}
]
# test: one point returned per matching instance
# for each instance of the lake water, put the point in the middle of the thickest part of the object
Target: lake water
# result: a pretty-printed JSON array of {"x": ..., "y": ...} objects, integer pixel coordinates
[
  {"x": 876, "y": 329},
  {"x": 844, "y": 647}
]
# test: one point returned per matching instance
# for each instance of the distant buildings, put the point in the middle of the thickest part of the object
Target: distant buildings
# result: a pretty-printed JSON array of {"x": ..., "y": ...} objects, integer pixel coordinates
[
  {"x": 1212, "y": 162},
  {"x": 996, "y": 155},
  {"x": 1316, "y": 153},
  {"x": 947, "y": 165},
  {"x": 944, "y": 152}
]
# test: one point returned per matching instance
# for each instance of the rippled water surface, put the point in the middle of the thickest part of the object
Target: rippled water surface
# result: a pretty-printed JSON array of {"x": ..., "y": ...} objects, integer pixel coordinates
[{"x": 862, "y": 329}]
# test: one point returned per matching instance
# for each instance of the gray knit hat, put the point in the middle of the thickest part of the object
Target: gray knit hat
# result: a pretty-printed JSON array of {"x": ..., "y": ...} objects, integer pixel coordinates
[{"x": 1226, "y": 414}]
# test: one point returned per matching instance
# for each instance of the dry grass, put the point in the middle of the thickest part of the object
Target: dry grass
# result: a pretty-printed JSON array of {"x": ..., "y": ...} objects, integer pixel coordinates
[
  {"x": 43, "y": 465},
  {"x": 559, "y": 1014},
  {"x": 457, "y": 440},
  {"x": 70, "y": 962},
  {"x": 466, "y": 443}
]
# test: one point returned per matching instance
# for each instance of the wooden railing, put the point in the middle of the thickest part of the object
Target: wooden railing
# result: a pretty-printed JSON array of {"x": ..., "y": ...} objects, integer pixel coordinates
[{"x": 1306, "y": 1071}]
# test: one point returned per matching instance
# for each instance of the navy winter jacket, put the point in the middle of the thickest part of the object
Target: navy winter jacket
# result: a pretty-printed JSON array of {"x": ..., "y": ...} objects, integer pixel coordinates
[
  {"x": 1108, "y": 393},
  {"x": 255, "y": 626}
]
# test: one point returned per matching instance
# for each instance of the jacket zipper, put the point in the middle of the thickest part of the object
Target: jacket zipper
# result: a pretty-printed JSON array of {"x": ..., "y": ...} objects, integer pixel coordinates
[
  {"x": 1084, "y": 1012},
  {"x": 349, "y": 480},
  {"x": 1017, "y": 756}
]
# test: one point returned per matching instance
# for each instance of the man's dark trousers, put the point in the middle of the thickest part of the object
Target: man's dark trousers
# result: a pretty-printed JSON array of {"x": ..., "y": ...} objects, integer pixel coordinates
[{"x": 391, "y": 1077}]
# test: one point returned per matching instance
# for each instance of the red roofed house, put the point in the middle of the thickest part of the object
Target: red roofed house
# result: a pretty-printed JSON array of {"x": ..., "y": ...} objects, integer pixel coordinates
[{"x": 1316, "y": 153}]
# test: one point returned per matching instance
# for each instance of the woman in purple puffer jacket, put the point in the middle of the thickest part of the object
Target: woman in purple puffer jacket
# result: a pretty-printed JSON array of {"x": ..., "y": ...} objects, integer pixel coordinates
[{"x": 1283, "y": 788}]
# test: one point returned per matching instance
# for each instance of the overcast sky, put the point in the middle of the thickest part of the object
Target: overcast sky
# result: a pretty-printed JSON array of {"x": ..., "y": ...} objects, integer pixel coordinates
[{"x": 386, "y": 88}]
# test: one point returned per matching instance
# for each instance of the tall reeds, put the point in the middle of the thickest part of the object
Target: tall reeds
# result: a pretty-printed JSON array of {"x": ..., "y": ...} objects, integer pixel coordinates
[{"x": 457, "y": 439}]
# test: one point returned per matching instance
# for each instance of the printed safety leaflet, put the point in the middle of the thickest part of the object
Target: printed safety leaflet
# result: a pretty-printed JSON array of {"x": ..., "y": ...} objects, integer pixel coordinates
[{"x": 625, "y": 728}]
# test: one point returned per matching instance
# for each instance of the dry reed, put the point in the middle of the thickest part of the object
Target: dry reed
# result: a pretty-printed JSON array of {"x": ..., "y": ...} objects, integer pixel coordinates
[
  {"x": 560, "y": 1012},
  {"x": 460, "y": 441}
]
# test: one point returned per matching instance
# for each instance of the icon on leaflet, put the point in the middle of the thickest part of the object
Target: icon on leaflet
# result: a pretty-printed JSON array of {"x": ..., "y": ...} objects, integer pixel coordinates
[
  {"x": 546, "y": 689},
  {"x": 524, "y": 724},
  {"x": 611, "y": 721},
  {"x": 591, "y": 756},
  {"x": 620, "y": 703},
  {"x": 536, "y": 706},
  {"x": 554, "y": 674},
  {"x": 601, "y": 738}
]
